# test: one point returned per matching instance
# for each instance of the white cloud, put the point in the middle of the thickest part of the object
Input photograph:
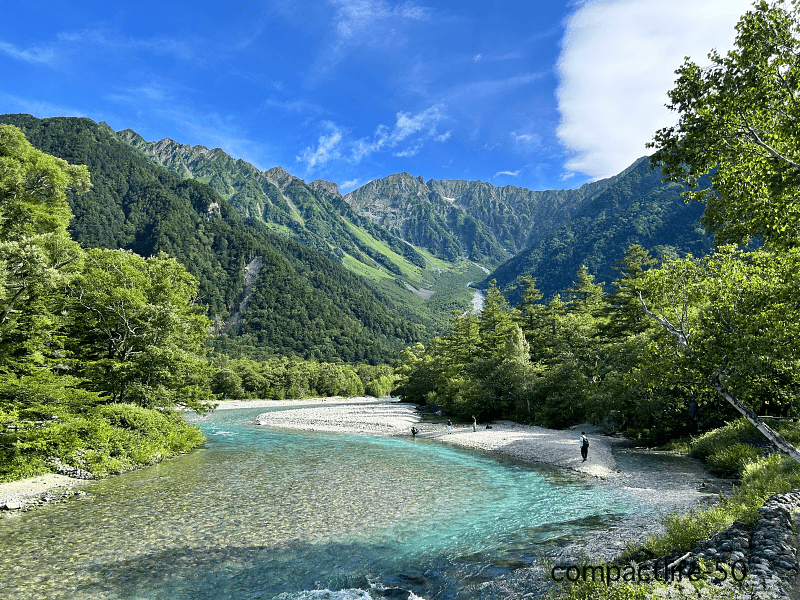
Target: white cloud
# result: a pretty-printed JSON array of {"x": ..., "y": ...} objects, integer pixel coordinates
[
  {"x": 526, "y": 141},
  {"x": 616, "y": 66},
  {"x": 328, "y": 148},
  {"x": 477, "y": 57},
  {"x": 358, "y": 16},
  {"x": 406, "y": 125},
  {"x": 413, "y": 129},
  {"x": 31, "y": 55},
  {"x": 412, "y": 151},
  {"x": 509, "y": 173},
  {"x": 348, "y": 186}
]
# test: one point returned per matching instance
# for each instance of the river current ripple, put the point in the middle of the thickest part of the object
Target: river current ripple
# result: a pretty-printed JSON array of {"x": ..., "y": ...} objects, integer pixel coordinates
[{"x": 258, "y": 513}]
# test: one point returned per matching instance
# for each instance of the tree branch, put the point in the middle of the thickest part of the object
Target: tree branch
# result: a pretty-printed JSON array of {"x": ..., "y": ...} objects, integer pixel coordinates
[{"x": 679, "y": 334}]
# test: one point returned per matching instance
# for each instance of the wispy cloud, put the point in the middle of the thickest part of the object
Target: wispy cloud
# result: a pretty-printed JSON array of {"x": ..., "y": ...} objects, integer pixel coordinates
[
  {"x": 114, "y": 41},
  {"x": 509, "y": 173},
  {"x": 412, "y": 128},
  {"x": 412, "y": 151},
  {"x": 356, "y": 17},
  {"x": 406, "y": 125},
  {"x": 348, "y": 186},
  {"x": 359, "y": 24},
  {"x": 616, "y": 65},
  {"x": 526, "y": 141},
  {"x": 328, "y": 148},
  {"x": 35, "y": 54}
]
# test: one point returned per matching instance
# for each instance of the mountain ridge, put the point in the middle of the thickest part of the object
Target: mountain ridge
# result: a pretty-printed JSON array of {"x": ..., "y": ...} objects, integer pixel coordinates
[
  {"x": 302, "y": 302},
  {"x": 512, "y": 230}
]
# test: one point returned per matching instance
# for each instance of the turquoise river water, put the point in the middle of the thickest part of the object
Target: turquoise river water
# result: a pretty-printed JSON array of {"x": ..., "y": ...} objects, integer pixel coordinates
[{"x": 258, "y": 513}]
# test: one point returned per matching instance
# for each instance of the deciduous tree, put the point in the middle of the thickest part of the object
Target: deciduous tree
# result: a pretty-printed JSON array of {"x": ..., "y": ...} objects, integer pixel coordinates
[{"x": 739, "y": 119}]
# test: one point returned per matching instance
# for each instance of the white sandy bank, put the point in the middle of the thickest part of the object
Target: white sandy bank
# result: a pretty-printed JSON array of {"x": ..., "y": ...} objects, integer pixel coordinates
[{"x": 534, "y": 444}]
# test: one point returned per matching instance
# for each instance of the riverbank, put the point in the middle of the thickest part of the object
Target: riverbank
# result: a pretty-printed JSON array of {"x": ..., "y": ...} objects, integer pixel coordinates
[
  {"x": 663, "y": 481},
  {"x": 36, "y": 491},
  {"x": 660, "y": 478},
  {"x": 29, "y": 493}
]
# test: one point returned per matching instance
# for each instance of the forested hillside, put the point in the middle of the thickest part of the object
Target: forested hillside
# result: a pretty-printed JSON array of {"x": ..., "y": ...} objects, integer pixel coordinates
[
  {"x": 381, "y": 228},
  {"x": 424, "y": 288},
  {"x": 313, "y": 213},
  {"x": 137, "y": 205},
  {"x": 636, "y": 208},
  {"x": 486, "y": 223}
]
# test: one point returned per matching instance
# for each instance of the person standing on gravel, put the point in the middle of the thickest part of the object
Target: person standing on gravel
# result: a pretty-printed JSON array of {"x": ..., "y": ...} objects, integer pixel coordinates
[
  {"x": 449, "y": 425},
  {"x": 474, "y": 423},
  {"x": 584, "y": 445}
]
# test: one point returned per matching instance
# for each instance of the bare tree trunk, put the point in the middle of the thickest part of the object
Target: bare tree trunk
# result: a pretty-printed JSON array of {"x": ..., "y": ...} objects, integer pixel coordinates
[{"x": 773, "y": 436}]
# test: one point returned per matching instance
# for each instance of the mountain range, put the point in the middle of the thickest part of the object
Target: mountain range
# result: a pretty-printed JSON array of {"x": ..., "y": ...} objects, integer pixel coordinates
[{"x": 292, "y": 267}]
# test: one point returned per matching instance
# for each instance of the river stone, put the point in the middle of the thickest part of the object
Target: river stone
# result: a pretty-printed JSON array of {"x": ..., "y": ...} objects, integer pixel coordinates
[{"x": 12, "y": 505}]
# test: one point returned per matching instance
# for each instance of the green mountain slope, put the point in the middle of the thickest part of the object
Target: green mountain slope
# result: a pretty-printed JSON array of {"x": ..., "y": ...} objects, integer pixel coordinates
[
  {"x": 138, "y": 205},
  {"x": 453, "y": 217},
  {"x": 636, "y": 208},
  {"x": 423, "y": 286},
  {"x": 383, "y": 228},
  {"x": 313, "y": 213}
]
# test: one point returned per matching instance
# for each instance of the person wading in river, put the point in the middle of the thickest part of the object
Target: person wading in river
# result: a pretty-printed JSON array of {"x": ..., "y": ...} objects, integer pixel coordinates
[{"x": 584, "y": 445}]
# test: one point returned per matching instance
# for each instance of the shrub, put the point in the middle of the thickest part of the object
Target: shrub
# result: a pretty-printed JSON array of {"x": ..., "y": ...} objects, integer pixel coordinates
[
  {"x": 106, "y": 439},
  {"x": 731, "y": 460},
  {"x": 719, "y": 439}
]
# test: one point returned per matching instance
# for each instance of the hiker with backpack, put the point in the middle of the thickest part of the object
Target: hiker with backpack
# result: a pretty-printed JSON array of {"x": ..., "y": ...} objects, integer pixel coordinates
[{"x": 584, "y": 445}]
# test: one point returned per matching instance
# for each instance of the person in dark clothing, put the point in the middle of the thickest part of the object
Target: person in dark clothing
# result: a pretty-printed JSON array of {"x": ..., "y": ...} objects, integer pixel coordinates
[
  {"x": 584, "y": 445},
  {"x": 414, "y": 432}
]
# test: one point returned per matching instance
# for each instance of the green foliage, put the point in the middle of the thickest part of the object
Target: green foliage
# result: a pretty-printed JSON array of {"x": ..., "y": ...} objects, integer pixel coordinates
[
  {"x": 102, "y": 440},
  {"x": 136, "y": 331},
  {"x": 760, "y": 479},
  {"x": 731, "y": 460},
  {"x": 682, "y": 590},
  {"x": 738, "y": 121},
  {"x": 137, "y": 205},
  {"x": 78, "y": 328},
  {"x": 599, "y": 590},
  {"x": 35, "y": 249},
  {"x": 378, "y": 380},
  {"x": 282, "y": 378},
  {"x": 727, "y": 449},
  {"x": 733, "y": 316},
  {"x": 634, "y": 208},
  {"x": 716, "y": 440}
]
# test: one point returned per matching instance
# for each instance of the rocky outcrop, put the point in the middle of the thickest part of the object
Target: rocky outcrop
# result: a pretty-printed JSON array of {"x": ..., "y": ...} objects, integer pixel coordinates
[{"x": 765, "y": 554}]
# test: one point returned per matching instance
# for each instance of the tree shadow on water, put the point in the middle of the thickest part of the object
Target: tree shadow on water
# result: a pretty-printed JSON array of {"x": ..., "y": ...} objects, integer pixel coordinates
[{"x": 262, "y": 572}]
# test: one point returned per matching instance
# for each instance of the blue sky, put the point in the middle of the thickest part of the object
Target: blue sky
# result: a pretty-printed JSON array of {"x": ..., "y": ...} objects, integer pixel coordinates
[{"x": 543, "y": 95}]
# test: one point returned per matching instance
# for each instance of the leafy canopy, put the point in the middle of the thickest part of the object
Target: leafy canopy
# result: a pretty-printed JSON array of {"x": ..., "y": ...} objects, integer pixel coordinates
[{"x": 739, "y": 120}]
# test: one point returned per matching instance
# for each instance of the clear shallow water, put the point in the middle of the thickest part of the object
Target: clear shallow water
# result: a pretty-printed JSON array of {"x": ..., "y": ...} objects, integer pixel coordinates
[{"x": 266, "y": 514}]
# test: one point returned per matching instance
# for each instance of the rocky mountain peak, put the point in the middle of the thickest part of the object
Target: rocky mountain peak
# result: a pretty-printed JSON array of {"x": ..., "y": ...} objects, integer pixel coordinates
[
  {"x": 279, "y": 177},
  {"x": 326, "y": 186}
]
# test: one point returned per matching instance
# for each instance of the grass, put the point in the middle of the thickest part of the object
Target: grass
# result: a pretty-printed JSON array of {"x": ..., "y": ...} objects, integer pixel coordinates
[
  {"x": 730, "y": 449},
  {"x": 408, "y": 269},
  {"x": 359, "y": 268}
]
